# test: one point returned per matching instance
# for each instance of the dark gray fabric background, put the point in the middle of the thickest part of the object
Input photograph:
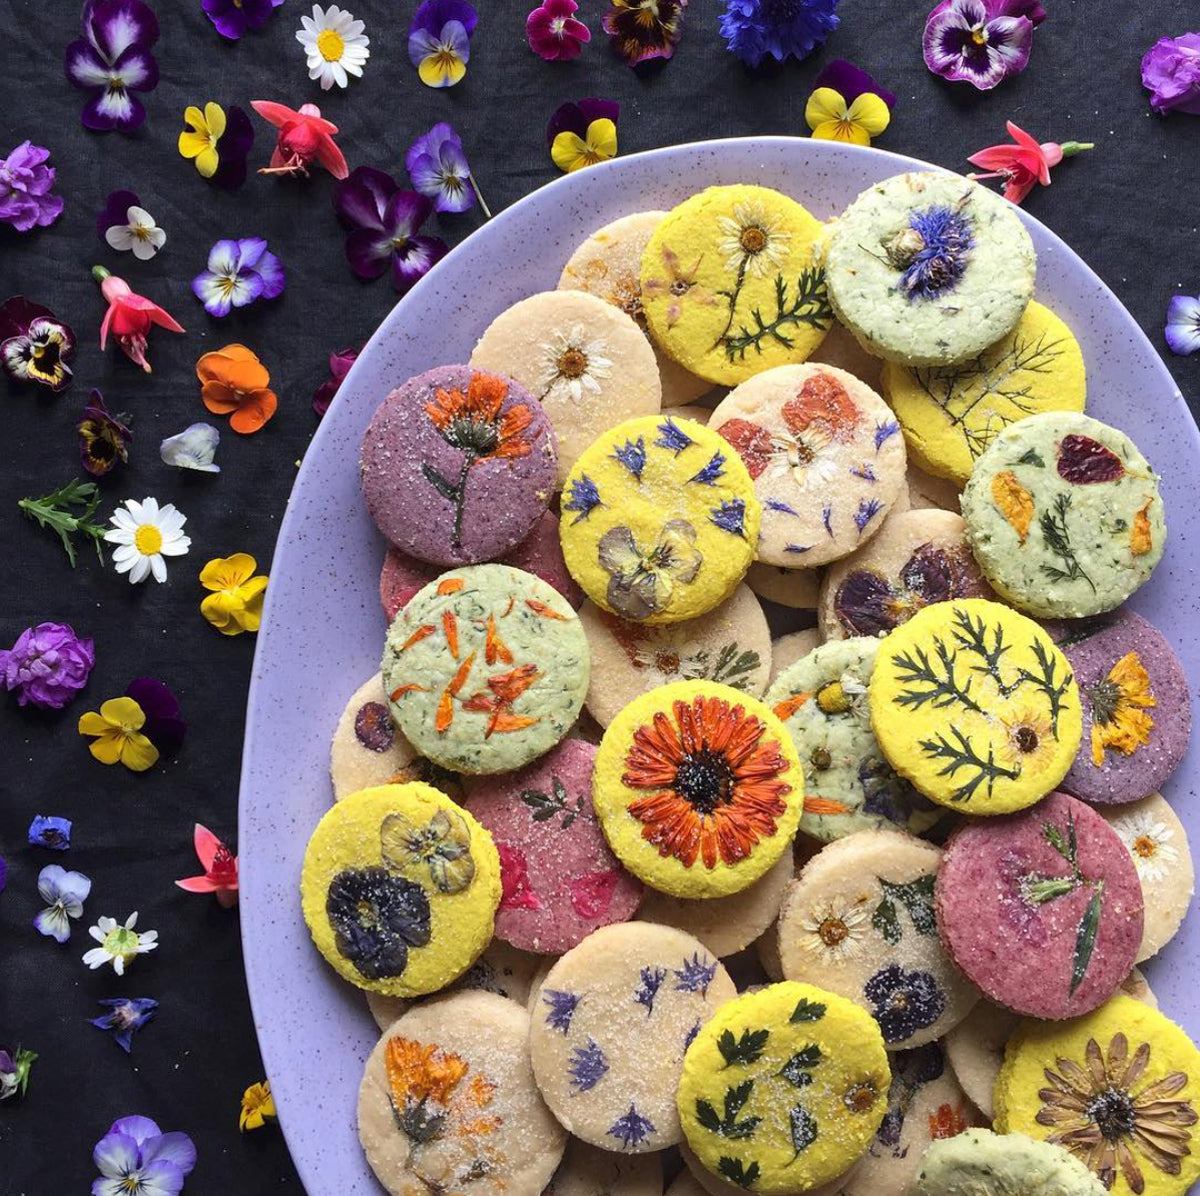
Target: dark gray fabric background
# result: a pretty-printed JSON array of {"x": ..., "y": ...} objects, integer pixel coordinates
[{"x": 1130, "y": 208}]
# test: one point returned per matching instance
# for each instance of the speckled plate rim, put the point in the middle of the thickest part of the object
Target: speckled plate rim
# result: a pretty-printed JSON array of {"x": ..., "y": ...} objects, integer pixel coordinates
[{"x": 322, "y": 627}]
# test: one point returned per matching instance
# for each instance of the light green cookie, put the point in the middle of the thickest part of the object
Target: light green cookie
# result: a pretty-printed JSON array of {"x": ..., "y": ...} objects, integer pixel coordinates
[{"x": 980, "y": 1163}]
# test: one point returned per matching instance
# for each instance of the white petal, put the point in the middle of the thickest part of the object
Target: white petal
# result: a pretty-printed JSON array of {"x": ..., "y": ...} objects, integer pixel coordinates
[
  {"x": 126, "y": 553},
  {"x": 139, "y": 571},
  {"x": 119, "y": 965},
  {"x": 148, "y": 939},
  {"x": 159, "y": 567},
  {"x": 149, "y": 510},
  {"x": 143, "y": 250},
  {"x": 135, "y": 512},
  {"x": 139, "y": 218},
  {"x": 97, "y": 957},
  {"x": 120, "y": 237}
]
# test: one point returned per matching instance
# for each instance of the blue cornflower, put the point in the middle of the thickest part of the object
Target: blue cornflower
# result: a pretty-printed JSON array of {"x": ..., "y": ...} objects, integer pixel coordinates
[
  {"x": 632, "y": 456},
  {"x": 631, "y": 1128},
  {"x": 796, "y": 547},
  {"x": 827, "y": 518},
  {"x": 672, "y": 436},
  {"x": 696, "y": 975},
  {"x": 730, "y": 516},
  {"x": 711, "y": 472},
  {"x": 773, "y": 504},
  {"x": 884, "y": 432},
  {"x": 652, "y": 978},
  {"x": 562, "y": 1008},
  {"x": 588, "y": 1066},
  {"x": 868, "y": 508},
  {"x": 49, "y": 831},
  {"x": 584, "y": 497},
  {"x": 691, "y": 1035},
  {"x": 752, "y": 29},
  {"x": 126, "y": 1015},
  {"x": 865, "y": 472},
  {"x": 932, "y": 252}
]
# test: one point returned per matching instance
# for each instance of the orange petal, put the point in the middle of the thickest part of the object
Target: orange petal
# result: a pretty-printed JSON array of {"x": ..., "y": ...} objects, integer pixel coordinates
[
  {"x": 450, "y": 585},
  {"x": 255, "y": 412},
  {"x": 547, "y": 612},
  {"x": 246, "y": 375},
  {"x": 450, "y": 627},
  {"x": 218, "y": 398},
  {"x": 785, "y": 709},
  {"x": 417, "y": 636},
  {"x": 460, "y": 678},
  {"x": 509, "y": 722},
  {"x": 411, "y": 687},
  {"x": 824, "y": 805},
  {"x": 445, "y": 713},
  {"x": 495, "y": 648}
]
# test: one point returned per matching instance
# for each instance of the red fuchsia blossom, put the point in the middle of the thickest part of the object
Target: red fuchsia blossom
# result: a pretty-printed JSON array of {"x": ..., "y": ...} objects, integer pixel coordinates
[
  {"x": 554, "y": 32},
  {"x": 1025, "y": 163},
  {"x": 305, "y": 136},
  {"x": 129, "y": 316},
  {"x": 220, "y": 869}
]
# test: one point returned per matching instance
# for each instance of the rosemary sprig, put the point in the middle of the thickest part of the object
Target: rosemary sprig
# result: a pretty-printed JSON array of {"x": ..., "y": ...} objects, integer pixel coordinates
[
  {"x": 54, "y": 511},
  {"x": 961, "y": 756},
  {"x": 1053, "y": 526},
  {"x": 942, "y": 687},
  {"x": 810, "y": 306}
]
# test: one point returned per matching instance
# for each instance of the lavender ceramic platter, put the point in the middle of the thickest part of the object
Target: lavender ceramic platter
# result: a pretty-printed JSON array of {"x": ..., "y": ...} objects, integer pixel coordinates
[{"x": 323, "y": 629}]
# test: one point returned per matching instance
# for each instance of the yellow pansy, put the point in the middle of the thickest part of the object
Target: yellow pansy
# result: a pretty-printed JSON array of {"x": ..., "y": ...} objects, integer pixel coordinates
[
  {"x": 235, "y": 604},
  {"x": 832, "y": 119},
  {"x": 572, "y": 152},
  {"x": 257, "y": 1105},
  {"x": 116, "y": 733},
  {"x": 200, "y": 142}
]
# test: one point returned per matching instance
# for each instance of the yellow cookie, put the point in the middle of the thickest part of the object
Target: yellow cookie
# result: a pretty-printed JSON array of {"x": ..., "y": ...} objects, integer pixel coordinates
[
  {"x": 974, "y": 704},
  {"x": 399, "y": 889},
  {"x": 950, "y": 414},
  {"x": 659, "y": 520},
  {"x": 730, "y": 286},
  {"x": 1119, "y": 1089},
  {"x": 784, "y": 1088}
]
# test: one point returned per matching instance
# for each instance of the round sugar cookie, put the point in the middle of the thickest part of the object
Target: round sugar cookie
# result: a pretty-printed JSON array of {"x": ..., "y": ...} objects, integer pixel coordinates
[
  {"x": 611, "y": 1022},
  {"x": 850, "y": 786},
  {"x": 560, "y": 879},
  {"x": 826, "y": 456},
  {"x": 788, "y": 649},
  {"x": 1119, "y": 1089},
  {"x": 1064, "y": 516},
  {"x": 784, "y": 1088},
  {"x": 978, "y": 1162},
  {"x": 730, "y": 644},
  {"x": 1157, "y": 843},
  {"x": 588, "y": 364},
  {"x": 974, "y": 704},
  {"x": 798, "y": 589},
  {"x": 695, "y": 1180},
  {"x": 609, "y": 265},
  {"x": 925, "y": 491},
  {"x": 659, "y": 520},
  {"x": 368, "y": 748},
  {"x": 399, "y": 889},
  {"x": 1137, "y": 712},
  {"x": 586, "y": 1170},
  {"x": 730, "y": 285},
  {"x": 951, "y": 414},
  {"x": 448, "y": 1102},
  {"x": 698, "y": 789},
  {"x": 929, "y": 269},
  {"x": 918, "y": 558},
  {"x": 841, "y": 350},
  {"x": 860, "y": 918},
  {"x": 486, "y": 669},
  {"x": 457, "y": 465},
  {"x": 1041, "y": 909}
]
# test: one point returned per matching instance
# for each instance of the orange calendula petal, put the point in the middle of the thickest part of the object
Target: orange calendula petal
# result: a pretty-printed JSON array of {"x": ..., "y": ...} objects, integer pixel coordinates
[
  {"x": 450, "y": 585},
  {"x": 1141, "y": 540},
  {"x": 417, "y": 636},
  {"x": 823, "y": 805},
  {"x": 460, "y": 678},
  {"x": 509, "y": 722},
  {"x": 1014, "y": 501},
  {"x": 445, "y": 712},
  {"x": 789, "y": 706},
  {"x": 508, "y": 609},
  {"x": 495, "y": 648},
  {"x": 450, "y": 627},
  {"x": 411, "y": 687},
  {"x": 546, "y": 612}
]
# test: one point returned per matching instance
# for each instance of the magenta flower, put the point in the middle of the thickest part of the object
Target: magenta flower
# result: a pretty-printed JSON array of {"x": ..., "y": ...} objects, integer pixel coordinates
[
  {"x": 553, "y": 31},
  {"x": 305, "y": 137},
  {"x": 1171, "y": 74},
  {"x": 339, "y": 367},
  {"x": 233, "y": 18},
  {"x": 25, "y": 182},
  {"x": 34, "y": 345},
  {"x": 47, "y": 666},
  {"x": 112, "y": 61},
  {"x": 980, "y": 42}
]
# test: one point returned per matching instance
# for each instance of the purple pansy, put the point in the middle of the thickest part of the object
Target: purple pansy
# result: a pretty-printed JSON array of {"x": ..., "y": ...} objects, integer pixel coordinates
[
  {"x": 384, "y": 221},
  {"x": 47, "y": 666},
  {"x": 438, "y": 168},
  {"x": 48, "y": 830},
  {"x": 34, "y": 345},
  {"x": 339, "y": 367},
  {"x": 136, "y": 1156},
  {"x": 126, "y": 1014},
  {"x": 233, "y": 18},
  {"x": 239, "y": 273},
  {"x": 164, "y": 726},
  {"x": 1183, "y": 325},
  {"x": 104, "y": 438},
  {"x": 233, "y": 148},
  {"x": 1171, "y": 74},
  {"x": 25, "y": 182},
  {"x": 112, "y": 61},
  {"x": 439, "y": 40},
  {"x": 64, "y": 893},
  {"x": 980, "y": 42},
  {"x": 850, "y": 82},
  {"x": 575, "y": 118},
  {"x": 754, "y": 29},
  {"x": 115, "y": 211}
]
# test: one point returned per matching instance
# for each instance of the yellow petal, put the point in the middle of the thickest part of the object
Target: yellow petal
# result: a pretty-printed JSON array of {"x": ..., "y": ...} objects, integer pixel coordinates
[
  {"x": 138, "y": 753},
  {"x": 823, "y": 105},
  {"x": 207, "y": 163},
  {"x": 568, "y": 151},
  {"x": 194, "y": 118},
  {"x": 217, "y": 610},
  {"x": 107, "y": 749},
  {"x": 227, "y": 573},
  {"x": 92, "y": 724},
  {"x": 841, "y": 130},
  {"x": 441, "y": 70},
  {"x": 870, "y": 113},
  {"x": 214, "y": 117},
  {"x": 192, "y": 144},
  {"x": 122, "y": 712},
  {"x": 602, "y": 138}
]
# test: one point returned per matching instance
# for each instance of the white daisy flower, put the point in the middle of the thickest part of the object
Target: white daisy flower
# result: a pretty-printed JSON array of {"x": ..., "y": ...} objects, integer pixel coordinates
[
  {"x": 835, "y": 930},
  {"x": 119, "y": 945},
  {"x": 751, "y": 241},
  {"x": 334, "y": 44},
  {"x": 139, "y": 233},
  {"x": 573, "y": 364},
  {"x": 144, "y": 534},
  {"x": 1148, "y": 840}
]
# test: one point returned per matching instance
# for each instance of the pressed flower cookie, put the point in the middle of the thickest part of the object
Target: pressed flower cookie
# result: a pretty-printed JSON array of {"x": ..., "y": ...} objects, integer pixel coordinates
[
  {"x": 1064, "y": 516},
  {"x": 457, "y": 465},
  {"x": 788, "y": 649},
  {"x": 929, "y": 269},
  {"x": 974, "y": 704},
  {"x": 588, "y": 364},
  {"x": 608, "y": 265},
  {"x": 448, "y": 1102},
  {"x": 730, "y": 644},
  {"x": 586, "y": 1170},
  {"x": 859, "y": 919},
  {"x": 486, "y": 669},
  {"x": 368, "y": 748},
  {"x": 560, "y": 879},
  {"x": 659, "y": 520},
  {"x": 730, "y": 286},
  {"x": 611, "y": 1022},
  {"x": 826, "y": 456},
  {"x": 951, "y": 414},
  {"x": 695, "y": 1179},
  {"x": 796, "y": 588},
  {"x": 918, "y": 558},
  {"x": 698, "y": 789},
  {"x": 1041, "y": 909},
  {"x": 784, "y": 1088},
  {"x": 1119, "y": 1089},
  {"x": 399, "y": 889}
]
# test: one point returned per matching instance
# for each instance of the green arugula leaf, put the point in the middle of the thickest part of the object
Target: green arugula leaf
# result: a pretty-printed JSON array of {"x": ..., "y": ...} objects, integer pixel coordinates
[
  {"x": 1085, "y": 938},
  {"x": 746, "y": 1049},
  {"x": 737, "y": 1172},
  {"x": 807, "y": 1011}
]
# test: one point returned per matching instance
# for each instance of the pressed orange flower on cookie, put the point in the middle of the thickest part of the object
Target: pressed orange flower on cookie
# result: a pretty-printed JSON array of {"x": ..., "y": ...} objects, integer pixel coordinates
[{"x": 235, "y": 383}]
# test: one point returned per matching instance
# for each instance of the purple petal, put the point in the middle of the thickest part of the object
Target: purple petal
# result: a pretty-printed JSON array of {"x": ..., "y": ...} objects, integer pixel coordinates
[
  {"x": 114, "y": 25},
  {"x": 137, "y": 69},
  {"x": 161, "y": 1178},
  {"x": 593, "y": 109},
  {"x": 140, "y": 1129},
  {"x": 362, "y": 199},
  {"x": 415, "y": 261},
  {"x": 228, "y": 19},
  {"x": 1183, "y": 325},
  {"x": 117, "y": 1152},
  {"x": 1031, "y": 10},
  {"x": 433, "y": 15},
  {"x": 421, "y": 45},
  {"x": 239, "y": 133},
  {"x": 223, "y": 257},
  {"x": 1012, "y": 39},
  {"x": 53, "y": 925},
  {"x": 369, "y": 253},
  {"x": 116, "y": 211},
  {"x": 175, "y": 1148},
  {"x": 250, "y": 250},
  {"x": 83, "y": 66},
  {"x": 850, "y": 82},
  {"x": 270, "y": 270},
  {"x": 406, "y": 212},
  {"x": 109, "y": 109},
  {"x": 567, "y": 118}
]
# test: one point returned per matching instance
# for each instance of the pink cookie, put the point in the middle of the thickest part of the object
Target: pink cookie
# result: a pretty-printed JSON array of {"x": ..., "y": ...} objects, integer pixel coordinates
[
  {"x": 560, "y": 880},
  {"x": 1043, "y": 909}
]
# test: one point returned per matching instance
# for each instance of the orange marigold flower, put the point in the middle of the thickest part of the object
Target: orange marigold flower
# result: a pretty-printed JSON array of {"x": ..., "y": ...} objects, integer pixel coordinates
[
  {"x": 473, "y": 422},
  {"x": 235, "y": 383},
  {"x": 824, "y": 401}
]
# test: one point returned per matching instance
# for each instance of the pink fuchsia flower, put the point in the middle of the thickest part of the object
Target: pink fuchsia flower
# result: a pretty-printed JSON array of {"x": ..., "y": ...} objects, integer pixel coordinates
[
  {"x": 112, "y": 61},
  {"x": 220, "y": 869},
  {"x": 980, "y": 42},
  {"x": 339, "y": 366},
  {"x": 25, "y": 182},
  {"x": 553, "y": 31},
  {"x": 47, "y": 666},
  {"x": 34, "y": 345},
  {"x": 305, "y": 137},
  {"x": 1171, "y": 74},
  {"x": 1025, "y": 163},
  {"x": 130, "y": 316},
  {"x": 1183, "y": 325}
]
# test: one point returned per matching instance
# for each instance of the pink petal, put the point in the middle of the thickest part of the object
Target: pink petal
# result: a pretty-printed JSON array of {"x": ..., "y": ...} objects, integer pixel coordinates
[
  {"x": 1036, "y": 160},
  {"x": 198, "y": 884},
  {"x": 163, "y": 319},
  {"x": 206, "y": 845},
  {"x": 332, "y": 158},
  {"x": 273, "y": 113},
  {"x": 995, "y": 157},
  {"x": 108, "y": 315}
]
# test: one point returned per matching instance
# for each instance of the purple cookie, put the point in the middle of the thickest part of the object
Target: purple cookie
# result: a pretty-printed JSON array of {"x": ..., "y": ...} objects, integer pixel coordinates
[
  {"x": 1137, "y": 715},
  {"x": 1042, "y": 910},
  {"x": 457, "y": 465},
  {"x": 560, "y": 879}
]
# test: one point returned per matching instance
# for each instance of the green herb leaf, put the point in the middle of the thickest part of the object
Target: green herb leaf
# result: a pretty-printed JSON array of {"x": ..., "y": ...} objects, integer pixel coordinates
[
  {"x": 1037, "y": 890},
  {"x": 803, "y": 1126},
  {"x": 885, "y": 921},
  {"x": 1085, "y": 938},
  {"x": 807, "y": 1011},
  {"x": 1031, "y": 457},
  {"x": 746, "y": 1049},
  {"x": 796, "y": 1069},
  {"x": 707, "y": 1116},
  {"x": 53, "y": 511},
  {"x": 810, "y": 306},
  {"x": 446, "y": 489},
  {"x": 727, "y": 1125},
  {"x": 1054, "y": 837},
  {"x": 737, "y": 1172},
  {"x": 917, "y": 898},
  {"x": 963, "y": 756}
]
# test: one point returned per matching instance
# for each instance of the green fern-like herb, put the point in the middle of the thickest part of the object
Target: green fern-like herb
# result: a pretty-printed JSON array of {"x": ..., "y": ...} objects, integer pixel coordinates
[
  {"x": 961, "y": 756},
  {"x": 1046, "y": 679},
  {"x": 940, "y": 686},
  {"x": 1053, "y": 525},
  {"x": 810, "y": 305}
]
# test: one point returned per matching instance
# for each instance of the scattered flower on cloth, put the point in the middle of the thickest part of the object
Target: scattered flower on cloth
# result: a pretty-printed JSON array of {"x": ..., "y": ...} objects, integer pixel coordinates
[
  {"x": 64, "y": 893},
  {"x": 112, "y": 61},
  {"x": 438, "y": 168},
  {"x": 1171, "y": 74},
  {"x": 980, "y": 42},
  {"x": 641, "y": 30},
  {"x": 103, "y": 438},
  {"x": 14, "y": 1071},
  {"x": 754, "y": 29},
  {"x": 305, "y": 137},
  {"x": 116, "y": 733},
  {"x": 257, "y": 1105},
  {"x": 125, "y": 1015},
  {"x": 554, "y": 32},
  {"x": 235, "y": 383},
  {"x": 135, "y": 1158},
  {"x": 130, "y": 316},
  {"x": 339, "y": 366},
  {"x": 384, "y": 222},
  {"x": 334, "y": 44},
  {"x": 53, "y": 511},
  {"x": 164, "y": 725},
  {"x": 439, "y": 41},
  {"x": 50, "y": 831},
  {"x": 847, "y": 105},
  {"x": 234, "y": 18},
  {"x": 236, "y": 601},
  {"x": 1183, "y": 325},
  {"x": 25, "y": 182},
  {"x": 125, "y": 225},
  {"x": 218, "y": 141},
  {"x": 144, "y": 533},
  {"x": 47, "y": 666},
  {"x": 34, "y": 345},
  {"x": 120, "y": 944},
  {"x": 1024, "y": 163},
  {"x": 583, "y": 134},
  {"x": 193, "y": 448},
  {"x": 239, "y": 273},
  {"x": 3, "y": 874},
  {"x": 220, "y": 869}
]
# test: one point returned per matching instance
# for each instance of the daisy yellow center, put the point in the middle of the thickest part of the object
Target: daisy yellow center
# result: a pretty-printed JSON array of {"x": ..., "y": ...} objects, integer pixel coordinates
[
  {"x": 120, "y": 941},
  {"x": 1145, "y": 847},
  {"x": 860, "y": 1098},
  {"x": 572, "y": 363},
  {"x": 833, "y": 931},
  {"x": 330, "y": 45},
  {"x": 753, "y": 239},
  {"x": 147, "y": 539}
]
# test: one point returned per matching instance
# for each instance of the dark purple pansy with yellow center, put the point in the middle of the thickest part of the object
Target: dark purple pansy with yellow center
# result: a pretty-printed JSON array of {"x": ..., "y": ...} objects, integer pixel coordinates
[
  {"x": 103, "y": 437},
  {"x": 34, "y": 346},
  {"x": 644, "y": 29}
]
